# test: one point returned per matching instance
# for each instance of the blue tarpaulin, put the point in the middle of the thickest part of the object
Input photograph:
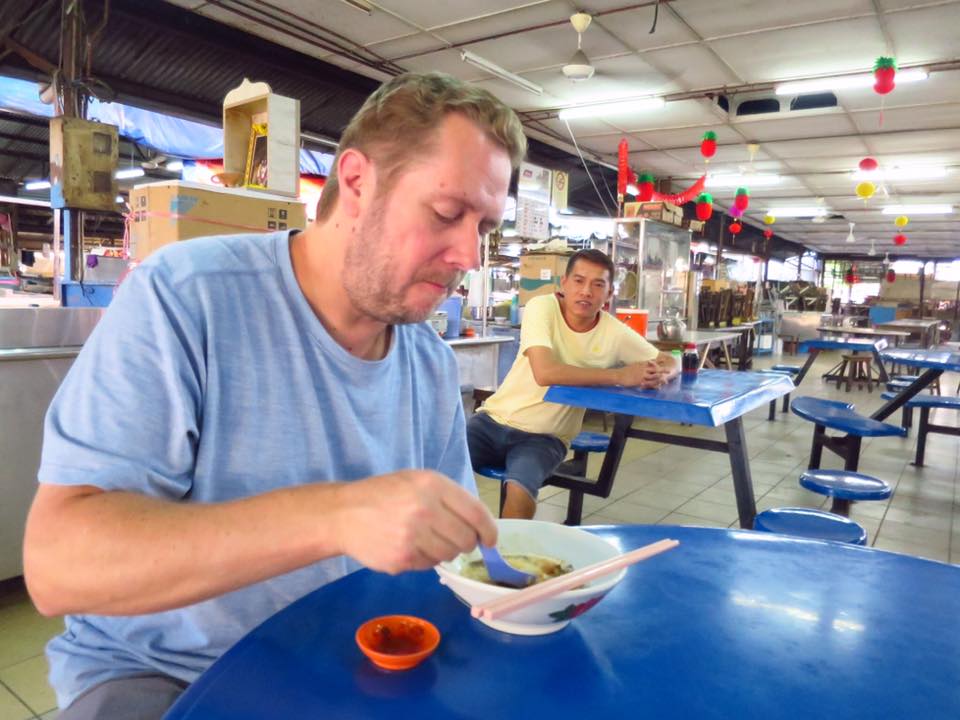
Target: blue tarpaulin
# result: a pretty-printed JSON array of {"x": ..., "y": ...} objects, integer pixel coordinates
[{"x": 164, "y": 133}]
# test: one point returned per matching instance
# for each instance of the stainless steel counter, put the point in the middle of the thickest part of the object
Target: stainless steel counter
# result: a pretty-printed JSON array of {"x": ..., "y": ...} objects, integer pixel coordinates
[
  {"x": 478, "y": 360},
  {"x": 37, "y": 348}
]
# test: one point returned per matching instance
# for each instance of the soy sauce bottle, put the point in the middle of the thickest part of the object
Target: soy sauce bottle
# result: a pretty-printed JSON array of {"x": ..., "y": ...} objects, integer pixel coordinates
[{"x": 690, "y": 362}]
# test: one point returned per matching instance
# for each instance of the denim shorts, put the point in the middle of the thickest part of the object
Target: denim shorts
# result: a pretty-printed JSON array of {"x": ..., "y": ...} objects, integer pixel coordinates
[{"x": 527, "y": 458}]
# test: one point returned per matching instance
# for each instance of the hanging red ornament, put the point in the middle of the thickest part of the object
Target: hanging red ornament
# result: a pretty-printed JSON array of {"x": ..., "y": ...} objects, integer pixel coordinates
[
  {"x": 682, "y": 198},
  {"x": 868, "y": 164},
  {"x": 623, "y": 167},
  {"x": 884, "y": 71},
  {"x": 646, "y": 187},
  {"x": 708, "y": 144},
  {"x": 850, "y": 277},
  {"x": 704, "y": 206},
  {"x": 891, "y": 275},
  {"x": 768, "y": 233},
  {"x": 742, "y": 198},
  {"x": 735, "y": 228},
  {"x": 900, "y": 239}
]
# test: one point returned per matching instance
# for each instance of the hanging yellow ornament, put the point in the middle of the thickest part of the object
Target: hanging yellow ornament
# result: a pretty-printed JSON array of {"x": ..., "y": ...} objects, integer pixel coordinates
[
  {"x": 769, "y": 220},
  {"x": 865, "y": 190},
  {"x": 901, "y": 221}
]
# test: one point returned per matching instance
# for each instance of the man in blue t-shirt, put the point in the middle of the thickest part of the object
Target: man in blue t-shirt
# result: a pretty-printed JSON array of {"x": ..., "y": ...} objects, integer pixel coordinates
[{"x": 257, "y": 415}]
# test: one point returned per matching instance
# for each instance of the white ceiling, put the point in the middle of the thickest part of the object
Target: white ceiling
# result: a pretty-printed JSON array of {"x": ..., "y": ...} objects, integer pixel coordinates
[{"x": 699, "y": 48}]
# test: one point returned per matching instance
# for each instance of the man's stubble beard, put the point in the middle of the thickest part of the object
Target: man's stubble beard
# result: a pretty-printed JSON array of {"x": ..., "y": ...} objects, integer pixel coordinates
[{"x": 368, "y": 273}]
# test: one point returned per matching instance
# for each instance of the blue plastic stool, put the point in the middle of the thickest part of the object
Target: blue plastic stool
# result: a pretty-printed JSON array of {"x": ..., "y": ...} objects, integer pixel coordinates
[
  {"x": 841, "y": 416},
  {"x": 792, "y": 369},
  {"x": 590, "y": 442},
  {"x": 845, "y": 488},
  {"x": 810, "y": 523},
  {"x": 494, "y": 473}
]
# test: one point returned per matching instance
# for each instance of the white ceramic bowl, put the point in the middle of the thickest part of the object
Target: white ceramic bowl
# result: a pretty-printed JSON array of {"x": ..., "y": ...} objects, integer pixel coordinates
[{"x": 561, "y": 542}]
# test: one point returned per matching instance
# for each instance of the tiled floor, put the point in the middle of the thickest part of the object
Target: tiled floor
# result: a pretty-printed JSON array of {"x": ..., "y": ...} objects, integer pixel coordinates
[{"x": 656, "y": 484}]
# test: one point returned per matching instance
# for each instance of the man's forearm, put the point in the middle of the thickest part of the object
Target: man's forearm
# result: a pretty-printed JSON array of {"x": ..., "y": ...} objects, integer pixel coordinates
[
  {"x": 118, "y": 553},
  {"x": 558, "y": 373}
]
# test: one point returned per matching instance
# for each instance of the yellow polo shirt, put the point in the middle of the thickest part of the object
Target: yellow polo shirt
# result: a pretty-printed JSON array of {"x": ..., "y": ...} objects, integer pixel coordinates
[{"x": 519, "y": 401}]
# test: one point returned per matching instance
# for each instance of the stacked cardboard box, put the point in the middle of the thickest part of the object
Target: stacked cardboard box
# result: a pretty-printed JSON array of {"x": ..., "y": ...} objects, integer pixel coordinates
[
  {"x": 540, "y": 274},
  {"x": 662, "y": 211},
  {"x": 167, "y": 212}
]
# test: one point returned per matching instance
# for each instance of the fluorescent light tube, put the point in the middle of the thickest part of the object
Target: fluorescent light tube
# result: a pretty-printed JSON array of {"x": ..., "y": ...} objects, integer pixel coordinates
[
  {"x": 943, "y": 209},
  {"x": 620, "y": 107},
  {"x": 738, "y": 179},
  {"x": 13, "y": 199},
  {"x": 174, "y": 166},
  {"x": 844, "y": 82},
  {"x": 895, "y": 174},
  {"x": 37, "y": 185},
  {"x": 129, "y": 173},
  {"x": 800, "y": 211},
  {"x": 497, "y": 71},
  {"x": 361, "y": 5},
  {"x": 633, "y": 189}
]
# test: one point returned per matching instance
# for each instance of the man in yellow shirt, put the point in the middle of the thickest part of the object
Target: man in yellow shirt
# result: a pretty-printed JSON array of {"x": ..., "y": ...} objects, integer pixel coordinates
[{"x": 565, "y": 339}]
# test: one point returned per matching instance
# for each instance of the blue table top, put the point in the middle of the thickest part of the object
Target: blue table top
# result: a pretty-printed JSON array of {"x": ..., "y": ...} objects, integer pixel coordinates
[
  {"x": 712, "y": 398},
  {"x": 730, "y": 624},
  {"x": 934, "y": 359},
  {"x": 852, "y": 344}
]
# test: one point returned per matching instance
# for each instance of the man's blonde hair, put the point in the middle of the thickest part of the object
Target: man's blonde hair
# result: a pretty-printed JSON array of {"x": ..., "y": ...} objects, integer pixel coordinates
[{"x": 397, "y": 123}]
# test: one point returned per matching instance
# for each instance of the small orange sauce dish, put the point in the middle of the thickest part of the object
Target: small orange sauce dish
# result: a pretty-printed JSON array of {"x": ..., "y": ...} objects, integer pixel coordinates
[{"x": 397, "y": 642}]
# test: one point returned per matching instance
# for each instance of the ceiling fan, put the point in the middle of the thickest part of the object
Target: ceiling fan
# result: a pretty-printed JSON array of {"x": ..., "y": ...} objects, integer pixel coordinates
[{"x": 579, "y": 68}]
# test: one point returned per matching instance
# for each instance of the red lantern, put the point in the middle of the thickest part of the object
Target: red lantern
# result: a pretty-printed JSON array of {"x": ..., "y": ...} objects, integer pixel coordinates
[
  {"x": 646, "y": 187},
  {"x": 708, "y": 144},
  {"x": 735, "y": 228},
  {"x": 891, "y": 275},
  {"x": 868, "y": 164},
  {"x": 768, "y": 233},
  {"x": 704, "y": 206},
  {"x": 884, "y": 71},
  {"x": 899, "y": 239},
  {"x": 742, "y": 199},
  {"x": 623, "y": 167}
]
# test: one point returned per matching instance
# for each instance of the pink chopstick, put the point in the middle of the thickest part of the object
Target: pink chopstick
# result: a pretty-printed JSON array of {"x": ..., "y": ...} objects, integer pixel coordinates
[{"x": 516, "y": 601}]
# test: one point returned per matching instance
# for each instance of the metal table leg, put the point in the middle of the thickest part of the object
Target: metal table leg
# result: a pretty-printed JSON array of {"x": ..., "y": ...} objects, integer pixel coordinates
[{"x": 740, "y": 466}]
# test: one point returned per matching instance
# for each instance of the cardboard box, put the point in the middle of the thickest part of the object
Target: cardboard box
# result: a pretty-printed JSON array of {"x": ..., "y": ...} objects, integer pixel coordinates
[
  {"x": 661, "y": 211},
  {"x": 540, "y": 274},
  {"x": 167, "y": 212}
]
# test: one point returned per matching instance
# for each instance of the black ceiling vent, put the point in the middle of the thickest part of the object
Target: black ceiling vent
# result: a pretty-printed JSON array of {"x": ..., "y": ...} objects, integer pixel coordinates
[
  {"x": 723, "y": 102},
  {"x": 814, "y": 102},
  {"x": 762, "y": 106}
]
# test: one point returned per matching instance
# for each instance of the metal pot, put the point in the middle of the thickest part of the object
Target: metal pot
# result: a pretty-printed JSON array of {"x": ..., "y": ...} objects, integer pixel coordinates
[{"x": 671, "y": 329}]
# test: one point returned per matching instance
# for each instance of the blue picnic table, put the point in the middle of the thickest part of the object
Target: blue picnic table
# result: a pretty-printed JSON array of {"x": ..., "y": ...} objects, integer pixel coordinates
[
  {"x": 852, "y": 345},
  {"x": 730, "y": 624},
  {"x": 712, "y": 398}
]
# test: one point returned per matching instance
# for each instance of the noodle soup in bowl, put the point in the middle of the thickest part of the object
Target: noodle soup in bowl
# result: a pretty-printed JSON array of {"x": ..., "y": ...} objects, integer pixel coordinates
[{"x": 540, "y": 545}]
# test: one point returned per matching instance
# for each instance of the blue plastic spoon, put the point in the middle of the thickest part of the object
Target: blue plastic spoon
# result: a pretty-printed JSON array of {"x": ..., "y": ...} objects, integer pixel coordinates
[{"x": 501, "y": 571}]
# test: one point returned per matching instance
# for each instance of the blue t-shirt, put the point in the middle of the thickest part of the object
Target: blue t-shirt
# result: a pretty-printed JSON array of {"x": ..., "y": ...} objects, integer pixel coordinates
[{"x": 208, "y": 379}]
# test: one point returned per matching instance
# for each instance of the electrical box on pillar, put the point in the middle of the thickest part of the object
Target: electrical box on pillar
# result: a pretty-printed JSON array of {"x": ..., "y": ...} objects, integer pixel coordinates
[{"x": 83, "y": 160}]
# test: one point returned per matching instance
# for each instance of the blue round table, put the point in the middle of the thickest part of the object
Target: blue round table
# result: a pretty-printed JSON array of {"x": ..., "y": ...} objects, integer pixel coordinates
[{"x": 729, "y": 624}]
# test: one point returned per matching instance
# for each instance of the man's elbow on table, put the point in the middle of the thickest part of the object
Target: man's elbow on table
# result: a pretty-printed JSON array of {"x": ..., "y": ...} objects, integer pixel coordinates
[
  {"x": 542, "y": 365},
  {"x": 46, "y": 571}
]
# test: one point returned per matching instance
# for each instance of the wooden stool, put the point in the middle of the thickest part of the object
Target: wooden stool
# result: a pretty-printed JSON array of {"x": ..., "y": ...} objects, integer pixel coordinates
[{"x": 858, "y": 368}]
